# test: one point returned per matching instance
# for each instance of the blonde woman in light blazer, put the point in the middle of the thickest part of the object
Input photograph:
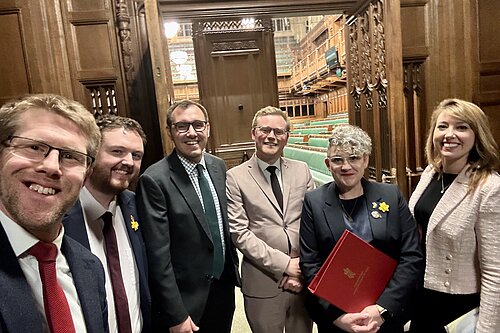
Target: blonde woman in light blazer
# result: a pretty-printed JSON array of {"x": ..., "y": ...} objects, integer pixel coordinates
[{"x": 457, "y": 206}]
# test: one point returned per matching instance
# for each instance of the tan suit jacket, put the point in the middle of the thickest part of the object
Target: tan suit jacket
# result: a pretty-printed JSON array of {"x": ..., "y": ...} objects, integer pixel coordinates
[
  {"x": 463, "y": 243},
  {"x": 259, "y": 229}
]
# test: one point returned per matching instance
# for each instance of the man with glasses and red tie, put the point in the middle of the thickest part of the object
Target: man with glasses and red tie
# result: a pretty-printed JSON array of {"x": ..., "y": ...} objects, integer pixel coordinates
[
  {"x": 48, "y": 282},
  {"x": 265, "y": 196},
  {"x": 193, "y": 266}
]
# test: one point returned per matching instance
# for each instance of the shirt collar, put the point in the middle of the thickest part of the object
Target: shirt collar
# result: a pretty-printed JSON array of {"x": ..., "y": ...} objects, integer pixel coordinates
[
  {"x": 263, "y": 165},
  {"x": 189, "y": 165},
  {"x": 92, "y": 208},
  {"x": 20, "y": 239}
]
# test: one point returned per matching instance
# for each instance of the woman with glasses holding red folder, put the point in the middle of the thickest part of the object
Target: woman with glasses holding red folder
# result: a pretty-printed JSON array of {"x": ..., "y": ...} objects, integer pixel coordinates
[
  {"x": 375, "y": 212},
  {"x": 457, "y": 207}
]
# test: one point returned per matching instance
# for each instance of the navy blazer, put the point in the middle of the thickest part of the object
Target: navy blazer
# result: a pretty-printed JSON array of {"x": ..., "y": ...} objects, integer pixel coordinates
[
  {"x": 18, "y": 309},
  {"x": 178, "y": 240},
  {"x": 394, "y": 233},
  {"x": 74, "y": 225}
]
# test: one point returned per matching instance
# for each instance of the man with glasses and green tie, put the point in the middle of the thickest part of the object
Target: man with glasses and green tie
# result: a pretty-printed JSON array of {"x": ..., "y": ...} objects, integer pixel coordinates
[
  {"x": 48, "y": 282},
  {"x": 265, "y": 196},
  {"x": 193, "y": 266}
]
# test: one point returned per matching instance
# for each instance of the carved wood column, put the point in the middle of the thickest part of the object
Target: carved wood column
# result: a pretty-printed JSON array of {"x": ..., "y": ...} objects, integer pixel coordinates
[{"x": 375, "y": 76}]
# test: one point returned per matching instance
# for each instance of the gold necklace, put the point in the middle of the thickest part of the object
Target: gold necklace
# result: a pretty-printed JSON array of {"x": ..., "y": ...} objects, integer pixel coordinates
[{"x": 347, "y": 215}]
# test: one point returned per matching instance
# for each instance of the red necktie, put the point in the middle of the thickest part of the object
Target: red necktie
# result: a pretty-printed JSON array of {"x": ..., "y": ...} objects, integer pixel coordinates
[
  {"x": 54, "y": 300},
  {"x": 115, "y": 272}
]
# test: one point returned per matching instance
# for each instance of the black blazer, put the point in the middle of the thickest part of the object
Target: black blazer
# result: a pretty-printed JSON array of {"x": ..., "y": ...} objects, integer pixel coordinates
[
  {"x": 74, "y": 226},
  {"x": 178, "y": 240},
  {"x": 394, "y": 233},
  {"x": 18, "y": 309}
]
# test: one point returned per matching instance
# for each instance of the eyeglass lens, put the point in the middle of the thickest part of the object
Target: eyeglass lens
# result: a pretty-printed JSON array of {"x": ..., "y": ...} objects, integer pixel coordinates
[{"x": 198, "y": 126}]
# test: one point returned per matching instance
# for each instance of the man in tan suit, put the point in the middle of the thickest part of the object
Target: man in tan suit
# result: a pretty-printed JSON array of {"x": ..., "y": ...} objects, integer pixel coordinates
[{"x": 265, "y": 196}]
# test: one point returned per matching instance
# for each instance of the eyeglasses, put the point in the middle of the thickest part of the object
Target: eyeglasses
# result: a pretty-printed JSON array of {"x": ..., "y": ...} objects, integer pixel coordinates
[
  {"x": 36, "y": 151},
  {"x": 338, "y": 160},
  {"x": 267, "y": 130},
  {"x": 183, "y": 127}
]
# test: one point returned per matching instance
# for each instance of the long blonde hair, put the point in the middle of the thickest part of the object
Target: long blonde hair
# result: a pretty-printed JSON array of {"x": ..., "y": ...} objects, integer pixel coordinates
[{"x": 484, "y": 156}]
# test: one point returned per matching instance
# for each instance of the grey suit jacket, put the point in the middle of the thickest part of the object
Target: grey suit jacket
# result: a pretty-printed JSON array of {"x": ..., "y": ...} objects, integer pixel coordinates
[
  {"x": 259, "y": 228},
  {"x": 178, "y": 240},
  {"x": 18, "y": 310},
  {"x": 463, "y": 243}
]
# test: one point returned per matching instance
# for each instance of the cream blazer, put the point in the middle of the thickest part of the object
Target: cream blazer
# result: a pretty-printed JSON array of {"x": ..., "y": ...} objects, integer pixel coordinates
[
  {"x": 259, "y": 229},
  {"x": 463, "y": 243}
]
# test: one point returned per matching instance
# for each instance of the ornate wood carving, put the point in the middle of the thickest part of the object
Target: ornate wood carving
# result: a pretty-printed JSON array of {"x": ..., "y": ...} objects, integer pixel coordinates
[
  {"x": 123, "y": 24},
  {"x": 103, "y": 98},
  {"x": 368, "y": 88},
  {"x": 230, "y": 26},
  {"x": 236, "y": 45}
]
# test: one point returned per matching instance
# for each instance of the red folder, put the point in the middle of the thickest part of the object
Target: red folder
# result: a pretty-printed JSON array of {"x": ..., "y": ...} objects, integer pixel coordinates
[{"x": 354, "y": 275}]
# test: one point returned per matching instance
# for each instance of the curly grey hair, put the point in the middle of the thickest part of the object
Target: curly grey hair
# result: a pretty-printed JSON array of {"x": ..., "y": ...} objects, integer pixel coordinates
[{"x": 350, "y": 139}]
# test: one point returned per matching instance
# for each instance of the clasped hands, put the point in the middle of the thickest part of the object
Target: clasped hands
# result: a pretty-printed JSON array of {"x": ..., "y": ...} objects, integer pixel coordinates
[
  {"x": 292, "y": 279},
  {"x": 366, "y": 321}
]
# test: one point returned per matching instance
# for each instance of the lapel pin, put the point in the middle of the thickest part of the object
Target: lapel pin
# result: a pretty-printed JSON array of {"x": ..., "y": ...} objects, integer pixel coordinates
[
  {"x": 133, "y": 223},
  {"x": 376, "y": 214}
]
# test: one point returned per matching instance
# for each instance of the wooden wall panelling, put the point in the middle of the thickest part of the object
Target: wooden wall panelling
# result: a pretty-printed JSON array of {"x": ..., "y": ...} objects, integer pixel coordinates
[
  {"x": 236, "y": 72},
  {"x": 488, "y": 94},
  {"x": 375, "y": 84},
  {"x": 158, "y": 51},
  {"x": 140, "y": 83},
  {"x": 93, "y": 51},
  {"x": 32, "y": 55},
  {"x": 452, "y": 63},
  {"x": 415, "y": 41}
]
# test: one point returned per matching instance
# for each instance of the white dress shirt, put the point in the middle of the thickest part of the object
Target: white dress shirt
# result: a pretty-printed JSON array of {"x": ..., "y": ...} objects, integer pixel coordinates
[
  {"x": 92, "y": 212},
  {"x": 21, "y": 241}
]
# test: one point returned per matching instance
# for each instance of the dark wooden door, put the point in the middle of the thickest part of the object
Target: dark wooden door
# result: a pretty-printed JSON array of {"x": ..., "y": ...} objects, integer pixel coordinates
[{"x": 236, "y": 68}]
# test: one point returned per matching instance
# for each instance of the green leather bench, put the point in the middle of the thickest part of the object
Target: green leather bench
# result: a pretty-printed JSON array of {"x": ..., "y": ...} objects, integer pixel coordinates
[
  {"x": 330, "y": 122},
  {"x": 314, "y": 130},
  {"x": 318, "y": 142},
  {"x": 314, "y": 159}
]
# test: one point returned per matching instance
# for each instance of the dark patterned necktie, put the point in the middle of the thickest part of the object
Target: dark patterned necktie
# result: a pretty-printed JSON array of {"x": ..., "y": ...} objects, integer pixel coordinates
[{"x": 213, "y": 222}]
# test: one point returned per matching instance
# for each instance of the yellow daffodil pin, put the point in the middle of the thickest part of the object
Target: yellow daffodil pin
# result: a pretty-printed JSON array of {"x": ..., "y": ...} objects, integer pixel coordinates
[
  {"x": 383, "y": 207},
  {"x": 133, "y": 223}
]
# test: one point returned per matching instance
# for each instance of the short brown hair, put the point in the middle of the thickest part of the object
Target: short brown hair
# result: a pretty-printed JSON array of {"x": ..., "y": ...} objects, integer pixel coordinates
[
  {"x": 271, "y": 110},
  {"x": 110, "y": 121},
  {"x": 11, "y": 111},
  {"x": 183, "y": 105}
]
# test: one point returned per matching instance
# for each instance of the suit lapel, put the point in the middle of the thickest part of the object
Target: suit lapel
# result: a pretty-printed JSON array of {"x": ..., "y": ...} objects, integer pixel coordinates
[
  {"x": 264, "y": 185},
  {"x": 286, "y": 177},
  {"x": 450, "y": 199},
  {"x": 74, "y": 225},
  {"x": 86, "y": 285},
  {"x": 333, "y": 212},
  {"x": 129, "y": 213},
  {"x": 377, "y": 218},
  {"x": 181, "y": 180},
  {"x": 17, "y": 306}
]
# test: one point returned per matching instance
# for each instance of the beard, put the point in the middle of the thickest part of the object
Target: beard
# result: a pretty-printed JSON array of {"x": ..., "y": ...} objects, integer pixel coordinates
[{"x": 102, "y": 180}]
